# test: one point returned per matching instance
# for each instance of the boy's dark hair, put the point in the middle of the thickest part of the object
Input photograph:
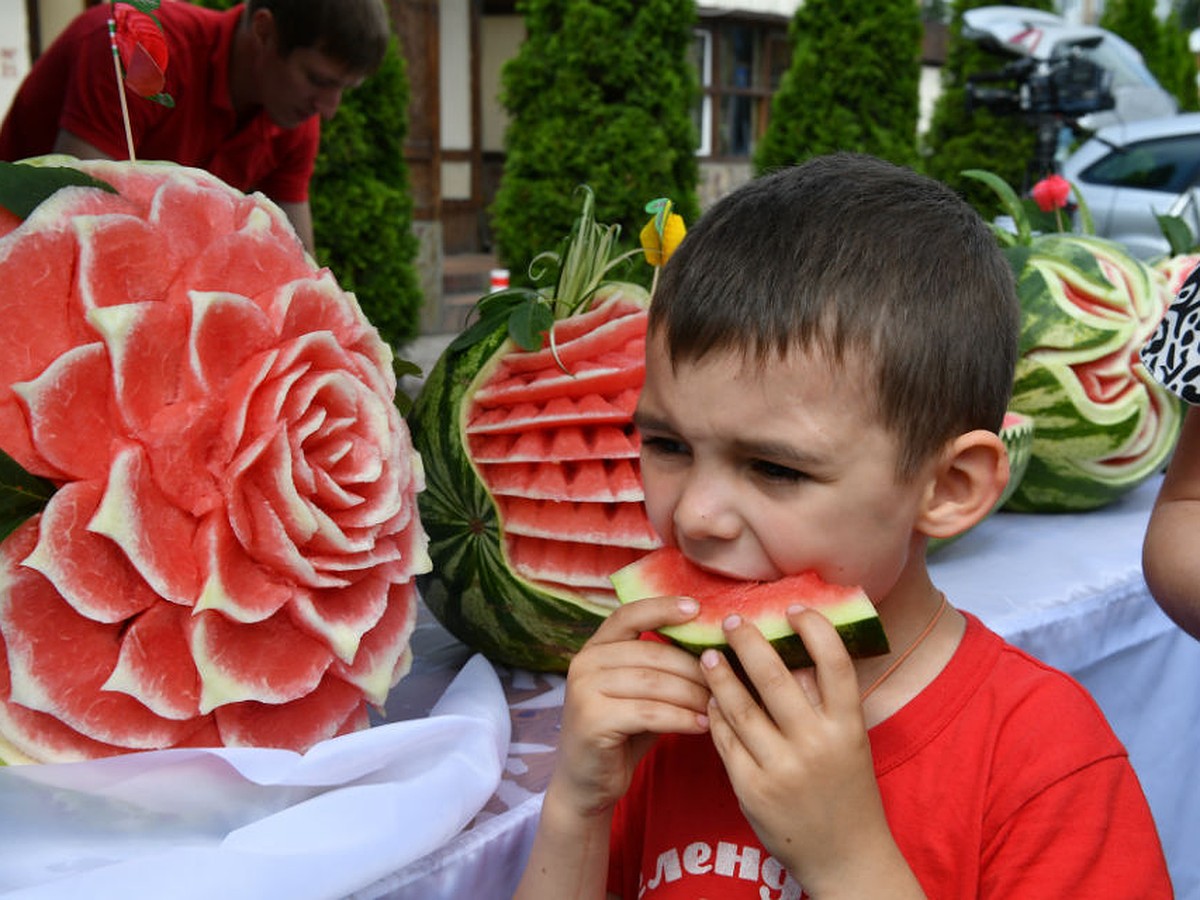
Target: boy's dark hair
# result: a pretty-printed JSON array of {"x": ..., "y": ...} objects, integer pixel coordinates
[
  {"x": 850, "y": 253},
  {"x": 353, "y": 32}
]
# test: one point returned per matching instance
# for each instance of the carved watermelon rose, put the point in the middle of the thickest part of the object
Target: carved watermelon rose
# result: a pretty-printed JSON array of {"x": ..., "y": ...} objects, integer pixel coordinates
[{"x": 228, "y": 552}]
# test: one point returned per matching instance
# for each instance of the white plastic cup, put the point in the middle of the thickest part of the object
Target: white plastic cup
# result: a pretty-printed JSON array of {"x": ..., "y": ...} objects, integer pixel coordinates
[{"x": 498, "y": 280}]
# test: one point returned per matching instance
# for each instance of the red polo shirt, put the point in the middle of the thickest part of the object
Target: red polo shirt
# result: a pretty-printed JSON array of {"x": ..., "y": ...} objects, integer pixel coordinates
[{"x": 72, "y": 86}]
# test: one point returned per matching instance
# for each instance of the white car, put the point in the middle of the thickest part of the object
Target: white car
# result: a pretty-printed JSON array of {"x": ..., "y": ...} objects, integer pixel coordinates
[{"x": 1130, "y": 173}]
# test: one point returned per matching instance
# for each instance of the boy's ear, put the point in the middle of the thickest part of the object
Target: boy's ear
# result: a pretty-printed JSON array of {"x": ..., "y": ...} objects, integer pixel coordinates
[{"x": 964, "y": 487}]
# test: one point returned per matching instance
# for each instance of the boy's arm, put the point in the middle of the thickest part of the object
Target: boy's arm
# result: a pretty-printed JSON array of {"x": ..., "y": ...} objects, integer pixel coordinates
[
  {"x": 569, "y": 858},
  {"x": 801, "y": 763},
  {"x": 1169, "y": 557},
  {"x": 621, "y": 693},
  {"x": 300, "y": 215}
]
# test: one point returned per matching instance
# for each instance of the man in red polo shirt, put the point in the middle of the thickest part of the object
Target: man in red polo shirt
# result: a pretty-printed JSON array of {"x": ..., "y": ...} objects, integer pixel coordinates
[{"x": 250, "y": 86}]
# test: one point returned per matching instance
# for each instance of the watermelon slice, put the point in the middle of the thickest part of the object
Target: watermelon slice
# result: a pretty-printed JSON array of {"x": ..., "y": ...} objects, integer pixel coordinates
[{"x": 667, "y": 572}]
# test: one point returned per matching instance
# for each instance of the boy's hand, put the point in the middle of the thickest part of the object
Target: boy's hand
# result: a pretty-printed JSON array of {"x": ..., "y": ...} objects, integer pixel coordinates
[
  {"x": 622, "y": 692},
  {"x": 801, "y": 762}
]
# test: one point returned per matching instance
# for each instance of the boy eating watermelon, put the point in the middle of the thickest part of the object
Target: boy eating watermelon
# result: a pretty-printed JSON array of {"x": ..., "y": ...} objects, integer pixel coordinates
[{"x": 829, "y": 358}]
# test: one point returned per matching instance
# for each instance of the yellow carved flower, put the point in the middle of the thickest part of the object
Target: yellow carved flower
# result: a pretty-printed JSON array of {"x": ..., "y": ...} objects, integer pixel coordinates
[{"x": 662, "y": 233}]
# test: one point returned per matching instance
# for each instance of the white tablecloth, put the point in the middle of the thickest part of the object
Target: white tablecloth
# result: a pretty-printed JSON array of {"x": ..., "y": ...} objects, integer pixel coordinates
[
  {"x": 1067, "y": 588},
  {"x": 253, "y": 823}
]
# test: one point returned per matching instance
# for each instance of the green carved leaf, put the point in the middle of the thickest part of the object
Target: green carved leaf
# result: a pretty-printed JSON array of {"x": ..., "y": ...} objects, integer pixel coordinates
[
  {"x": 24, "y": 187},
  {"x": 21, "y": 495}
]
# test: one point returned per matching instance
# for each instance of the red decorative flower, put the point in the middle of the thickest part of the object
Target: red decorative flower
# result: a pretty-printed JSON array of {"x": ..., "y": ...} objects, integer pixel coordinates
[
  {"x": 143, "y": 50},
  {"x": 1051, "y": 193}
]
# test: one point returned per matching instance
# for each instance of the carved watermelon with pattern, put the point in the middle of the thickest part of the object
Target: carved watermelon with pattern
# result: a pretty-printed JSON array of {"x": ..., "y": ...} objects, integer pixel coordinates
[{"x": 534, "y": 495}]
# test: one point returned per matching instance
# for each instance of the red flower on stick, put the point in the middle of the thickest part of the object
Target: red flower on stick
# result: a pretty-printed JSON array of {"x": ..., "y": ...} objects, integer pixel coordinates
[
  {"x": 142, "y": 49},
  {"x": 139, "y": 53},
  {"x": 1051, "y": 193}
]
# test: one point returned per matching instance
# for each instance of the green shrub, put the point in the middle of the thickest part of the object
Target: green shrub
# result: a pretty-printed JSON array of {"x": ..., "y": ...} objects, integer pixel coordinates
[
  {"x": 361, "y": 204},
  {"x": 1176, "y": 66},
  {"x": 599, "y": 93},
  {"x": 853, "y": 83}
]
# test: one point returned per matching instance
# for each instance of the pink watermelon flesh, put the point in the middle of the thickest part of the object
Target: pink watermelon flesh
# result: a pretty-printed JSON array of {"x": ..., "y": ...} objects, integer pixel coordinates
[
  {"x": 165, "y": 346},
  {"x": 550, "y": 433},
  {"x": 667, "y": 572}
]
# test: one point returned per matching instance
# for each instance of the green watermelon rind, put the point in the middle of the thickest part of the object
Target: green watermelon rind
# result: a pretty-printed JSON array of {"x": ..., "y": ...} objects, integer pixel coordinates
[
  {"x": 471, "y": 590},
  {"x": 857, "y": 624}
]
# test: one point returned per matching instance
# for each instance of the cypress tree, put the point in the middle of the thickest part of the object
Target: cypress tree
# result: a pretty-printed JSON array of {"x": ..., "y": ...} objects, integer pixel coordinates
[
  {"x": 1163, "y": 45},
  {"x": 599, "y": 93},
  {"x": 1135, "y": 21},
  {"x": 853, "y": 83},
  {"x": 1189, "y": 13},
  {"x": 1176, "y": 68},
  {"x": 362, "y": 205}
]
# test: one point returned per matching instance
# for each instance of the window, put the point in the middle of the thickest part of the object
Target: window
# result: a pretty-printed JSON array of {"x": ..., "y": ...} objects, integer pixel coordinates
[
  {"x": 1168, "y": 165},
  {"x": 739, "y": 65},
  {"x": 702, "y": 111}
]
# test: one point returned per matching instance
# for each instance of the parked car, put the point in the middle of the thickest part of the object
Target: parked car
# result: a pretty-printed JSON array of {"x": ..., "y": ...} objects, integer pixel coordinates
[{"x": 1129, "y": 173}]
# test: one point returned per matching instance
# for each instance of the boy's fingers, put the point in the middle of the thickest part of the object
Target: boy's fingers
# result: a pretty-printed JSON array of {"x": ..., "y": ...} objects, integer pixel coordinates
[
  {"x": 771, "y": 679},
  {"x": 758, "y": 658},
  {"x": 657, "y": 681},
  {"x": 834, "y": 673},
  {"x": 740, "y": 713},
  {"x": 732, "y": 708},
  {"x": 630, "y": 620}
]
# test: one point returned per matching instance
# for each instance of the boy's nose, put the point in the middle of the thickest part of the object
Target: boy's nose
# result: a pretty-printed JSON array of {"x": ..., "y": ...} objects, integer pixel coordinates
[{"x": 704, "y": 512}]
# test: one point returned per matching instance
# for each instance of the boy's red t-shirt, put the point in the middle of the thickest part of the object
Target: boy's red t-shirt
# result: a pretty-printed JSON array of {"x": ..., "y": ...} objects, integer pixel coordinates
[
  {"x": 1001, "y": 779},
  {"x": 73, "y": 86}
]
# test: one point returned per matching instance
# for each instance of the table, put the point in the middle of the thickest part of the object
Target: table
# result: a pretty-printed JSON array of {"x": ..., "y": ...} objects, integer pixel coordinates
[{"x": 1066, "y": 588}]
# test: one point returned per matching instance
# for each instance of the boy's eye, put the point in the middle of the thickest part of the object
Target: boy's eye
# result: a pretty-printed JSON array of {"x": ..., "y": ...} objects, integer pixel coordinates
[
  {"x": 775, "y": 472},
  {"x": 663, "y": 446}
]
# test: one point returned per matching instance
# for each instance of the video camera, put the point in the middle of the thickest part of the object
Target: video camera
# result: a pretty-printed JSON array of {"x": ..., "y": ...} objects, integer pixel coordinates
[{"x": 1068, "y": 86}]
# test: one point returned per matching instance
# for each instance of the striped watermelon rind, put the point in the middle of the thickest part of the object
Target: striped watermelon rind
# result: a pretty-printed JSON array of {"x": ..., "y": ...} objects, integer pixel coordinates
[
  {"x": 474, "y": 590},
  {"x": 1103, "y": 424},
  {"x": 667, "y": 572}
]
